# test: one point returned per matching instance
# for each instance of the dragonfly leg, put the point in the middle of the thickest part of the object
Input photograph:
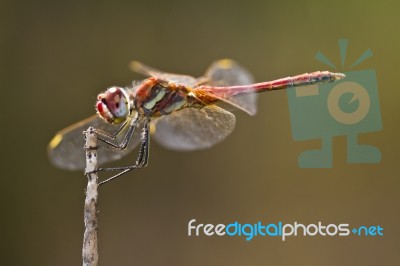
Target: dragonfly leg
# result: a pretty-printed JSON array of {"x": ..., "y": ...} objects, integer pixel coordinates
[
  {"x": 143, "y": 155},
  {"x": 111, "y": 136},
  {"x": 107, "y": 138},
  {"x": 141, "y": 160}
]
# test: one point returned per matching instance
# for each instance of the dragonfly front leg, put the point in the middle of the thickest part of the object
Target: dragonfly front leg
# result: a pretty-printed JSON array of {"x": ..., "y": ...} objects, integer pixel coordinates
[
  {"x": 141, "y": 160},
  {"x": 111, "y": 136},
  {"x": 108, "y": 138}
]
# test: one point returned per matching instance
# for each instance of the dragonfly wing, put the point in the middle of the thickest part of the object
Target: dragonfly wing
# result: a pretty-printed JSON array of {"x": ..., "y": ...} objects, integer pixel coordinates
[
  {"x": 193, "y": 129},
  {"x": 227, "y": 72},
  {"x": 66, "y": 150},
  {"x": 152, "y": 72}
]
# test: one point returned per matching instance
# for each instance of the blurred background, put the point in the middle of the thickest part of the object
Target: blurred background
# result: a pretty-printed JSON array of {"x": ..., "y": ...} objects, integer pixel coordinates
[{"x": 56, "y": 56}]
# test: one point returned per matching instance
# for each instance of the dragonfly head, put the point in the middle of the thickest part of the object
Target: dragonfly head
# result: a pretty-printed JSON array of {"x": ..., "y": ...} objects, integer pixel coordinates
[{"x": 113, "y": 105}]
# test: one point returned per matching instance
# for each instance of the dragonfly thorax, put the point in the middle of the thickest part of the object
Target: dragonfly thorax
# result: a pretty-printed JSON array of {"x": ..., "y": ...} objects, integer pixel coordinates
[
  {"x": 113, "y": 105},
  {"x": 157, "y": 97}
]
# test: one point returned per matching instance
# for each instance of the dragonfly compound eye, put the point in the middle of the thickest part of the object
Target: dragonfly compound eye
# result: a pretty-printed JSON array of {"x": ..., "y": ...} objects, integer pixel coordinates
[{"x": 113, "y": 105}]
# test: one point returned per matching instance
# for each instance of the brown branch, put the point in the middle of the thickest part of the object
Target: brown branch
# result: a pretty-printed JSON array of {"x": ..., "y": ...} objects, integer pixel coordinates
[{"x": 89, "y": 251}]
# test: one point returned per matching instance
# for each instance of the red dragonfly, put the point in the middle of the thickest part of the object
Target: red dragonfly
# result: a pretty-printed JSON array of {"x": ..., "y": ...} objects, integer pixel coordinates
[{"x": 181, "y": 112}]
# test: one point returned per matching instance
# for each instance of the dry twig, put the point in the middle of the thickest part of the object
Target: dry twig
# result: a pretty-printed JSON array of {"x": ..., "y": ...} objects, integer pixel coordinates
[{"x": 89, "y": 251}]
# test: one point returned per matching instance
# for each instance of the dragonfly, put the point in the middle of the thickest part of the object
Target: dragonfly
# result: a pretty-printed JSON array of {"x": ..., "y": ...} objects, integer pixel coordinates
[{"x": 179, "y": 111}]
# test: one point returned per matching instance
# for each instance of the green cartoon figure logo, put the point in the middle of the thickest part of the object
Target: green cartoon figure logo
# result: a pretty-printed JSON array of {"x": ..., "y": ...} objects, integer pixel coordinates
[{"x": 347, "y": 108}]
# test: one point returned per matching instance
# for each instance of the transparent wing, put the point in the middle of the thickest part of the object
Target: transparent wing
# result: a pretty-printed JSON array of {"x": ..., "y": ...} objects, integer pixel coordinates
[
  {"x": 227, "y": 72},
  {"x": 192, "y": 129},
  {"x": 66, "y": 151},
  {"x": 152, "y": 72}
]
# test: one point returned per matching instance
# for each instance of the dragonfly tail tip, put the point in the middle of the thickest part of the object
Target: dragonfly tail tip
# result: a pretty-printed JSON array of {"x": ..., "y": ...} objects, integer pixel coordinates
[{"x": 338, "y": 76}]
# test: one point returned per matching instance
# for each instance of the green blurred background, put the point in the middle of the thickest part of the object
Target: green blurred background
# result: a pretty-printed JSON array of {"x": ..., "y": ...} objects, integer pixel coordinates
[{"x": 55, "y": 56}]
